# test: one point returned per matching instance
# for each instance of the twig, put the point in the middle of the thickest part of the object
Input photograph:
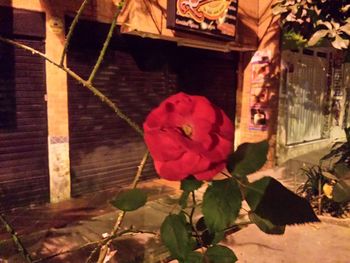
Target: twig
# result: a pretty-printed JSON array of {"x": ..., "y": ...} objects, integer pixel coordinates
[
  {"x": 121, "y": 215},
  {"x": 198, "y": 237},
  {"x": 133, "y": 185},
  {"x": 194, "y": 206},
  {"x": 140, "y": 169},
  {"x": 131, "y": 231},
  {"x": 122, "y": 233},
  {"x": 71, "y": 30},
  {"x": 66, "y": 252},
  {"x": 105, "y": 46},
  {"x": 245, "y": 223},
  {"x": 85, "y": 83},
  {"x": 16, "y": 240},
  {"x": 227, "y": 175},
  {"x": 88, "y": 84},
  {"x": 319, "y": 197}
]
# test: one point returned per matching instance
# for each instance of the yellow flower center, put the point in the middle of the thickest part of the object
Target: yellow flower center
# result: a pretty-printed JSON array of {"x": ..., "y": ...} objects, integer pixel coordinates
[{"x": 187, "y": 129}]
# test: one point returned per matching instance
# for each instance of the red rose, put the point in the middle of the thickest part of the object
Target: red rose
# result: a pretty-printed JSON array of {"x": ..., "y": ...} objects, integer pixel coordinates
[{"x": 187, "y": 135}]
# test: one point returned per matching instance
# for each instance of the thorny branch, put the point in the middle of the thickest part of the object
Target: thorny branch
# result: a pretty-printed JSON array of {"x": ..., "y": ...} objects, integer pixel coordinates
[
  {"x": 105, "y": 46},
  {"x": 122, "y": 233},
  {"x": 85, "y": 83},
  {"x": 71, "y": 30},
  {"x": 88, "y": 84},
  {"x": 103, "y": 246}
]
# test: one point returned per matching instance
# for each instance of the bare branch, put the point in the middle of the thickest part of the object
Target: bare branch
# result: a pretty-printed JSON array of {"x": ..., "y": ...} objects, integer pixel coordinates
[
  {"x": 71, "y": 30},
  {"x": 122, "y": 233},
  {"x": 121, "y": 215},
  {"x": 105, "y": 46},
  {"x": 85, "y": 83},
  {"x": 16, "y": 239}
]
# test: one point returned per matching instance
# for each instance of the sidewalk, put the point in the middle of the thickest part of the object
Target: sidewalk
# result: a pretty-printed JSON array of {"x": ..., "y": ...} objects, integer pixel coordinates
[{"x": 53, "y": 229}]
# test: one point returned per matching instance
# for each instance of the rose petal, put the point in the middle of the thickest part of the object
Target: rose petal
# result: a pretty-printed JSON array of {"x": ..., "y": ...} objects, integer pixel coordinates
[
  {"x": 210, "y": 174},
  {"x": 189, "y": 163},
  {"x": 183, "y": 103},
  {"x": 203, "y": 109},
  {"x": 226, "y": 129},
  {"x": 155, "y": 119},
  {"x": 168, "y": 174},
  {"x": 221, "y": 149},
  {"x": 201, "y": 133},
  {"x": 163, "y": 145},
  {"x": 179, "y": 152}
]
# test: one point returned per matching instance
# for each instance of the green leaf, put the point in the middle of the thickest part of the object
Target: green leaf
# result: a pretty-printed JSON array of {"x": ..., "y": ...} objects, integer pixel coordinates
[
  {"x": 130, "y": 200},
  {"x": 279, "y": 9},
  {"x": 341, "y": 192},
  {"x": 266, "y": 226},
  {"x": 346, "y": 28},
  {"x": 194, "y": 257},
  {"x": 207, "y": 238},
  {"x": 340, "y": 43},
  {"x": 248, "y": 158},
  {"x": 329, "y": 176},
  {"x": 317, "y": 36},
  {"x": 183, "y": 199},
  {"x": 221, "y": 204},
  {"x": 342, "y": 170},
  {"x": 219, "y": 236},
  {"x": 190, "y": 184},
  {"x": 220, "y": 254},
  {"x": 271, "y": 201},
  {"x": 175, "y": 236}
]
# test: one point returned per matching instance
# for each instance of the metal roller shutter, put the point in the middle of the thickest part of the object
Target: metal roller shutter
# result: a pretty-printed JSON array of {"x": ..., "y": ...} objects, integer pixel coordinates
[
  {"x": 104, "y": 151},
  {"x": 211, "y": 74},
  {"x": 137, "y": 74},
  {"x": 23, "y": 127}
]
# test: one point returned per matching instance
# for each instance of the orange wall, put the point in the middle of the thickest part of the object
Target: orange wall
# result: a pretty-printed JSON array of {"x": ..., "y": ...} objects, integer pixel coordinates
[
  {"x": 255, "y": 30},
  {"x": 269, "y": 38},
  {"x": 56, "y": 79},
  {"x": 56, "y": 82}
]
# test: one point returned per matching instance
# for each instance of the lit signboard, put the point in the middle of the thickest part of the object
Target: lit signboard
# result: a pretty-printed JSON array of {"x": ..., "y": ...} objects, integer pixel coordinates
[{"x": 212, "y": 17}]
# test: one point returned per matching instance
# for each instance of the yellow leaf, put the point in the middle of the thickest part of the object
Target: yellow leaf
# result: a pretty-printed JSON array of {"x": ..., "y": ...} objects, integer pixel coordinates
[{"x": 328, "y": 190}]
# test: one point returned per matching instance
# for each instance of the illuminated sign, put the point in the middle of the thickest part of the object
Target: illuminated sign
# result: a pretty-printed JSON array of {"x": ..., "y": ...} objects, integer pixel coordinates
[{"x": 211, "y": 17}]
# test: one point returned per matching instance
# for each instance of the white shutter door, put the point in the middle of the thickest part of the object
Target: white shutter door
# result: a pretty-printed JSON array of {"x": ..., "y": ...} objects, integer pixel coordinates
[{"x": 306, "y": 86}]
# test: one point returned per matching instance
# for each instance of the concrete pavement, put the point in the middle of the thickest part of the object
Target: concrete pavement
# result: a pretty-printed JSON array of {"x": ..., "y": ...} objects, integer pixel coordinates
[{"x": 326, "y": 242}]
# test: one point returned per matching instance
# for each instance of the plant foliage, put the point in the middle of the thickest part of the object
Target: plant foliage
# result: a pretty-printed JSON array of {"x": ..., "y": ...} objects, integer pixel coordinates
[
  {"x": 221, "y": 204},
  {"x": 248, "y": 158},
  {"x": 340, "y": 152},
  {"x": 327, "y": 191},
  {"x": 271, "y": 201},
  {"x": 176, "y": 237},
  {"x": 130, "y": 200},
  {"x": 272, "y": 207},
  {"x": 314, "y": 20}
]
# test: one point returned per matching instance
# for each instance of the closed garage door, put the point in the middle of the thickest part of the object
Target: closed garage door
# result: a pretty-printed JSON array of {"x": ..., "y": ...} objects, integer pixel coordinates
[
  {"x": 137, "y": 74},
  {"x": 23, "y": 121}
]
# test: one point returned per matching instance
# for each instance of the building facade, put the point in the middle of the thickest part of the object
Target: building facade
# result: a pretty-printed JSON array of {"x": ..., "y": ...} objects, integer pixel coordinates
[
  {"x": 58, "y": 141},
  {"x": 314, "y": 101}
]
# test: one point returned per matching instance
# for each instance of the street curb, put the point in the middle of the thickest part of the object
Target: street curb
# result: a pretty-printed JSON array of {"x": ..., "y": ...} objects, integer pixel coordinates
[{"x": 336, "y": 221}]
